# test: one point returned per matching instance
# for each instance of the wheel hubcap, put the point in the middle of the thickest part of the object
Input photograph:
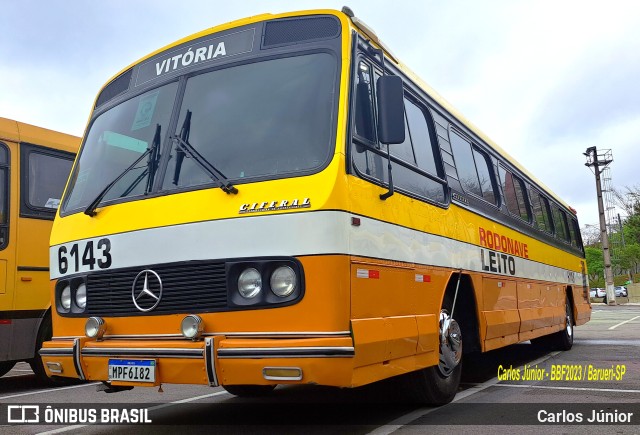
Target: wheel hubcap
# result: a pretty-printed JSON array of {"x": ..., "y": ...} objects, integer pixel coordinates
[
  {"x": 450, "y": 344},
  {"x": 569, "y": 325}
]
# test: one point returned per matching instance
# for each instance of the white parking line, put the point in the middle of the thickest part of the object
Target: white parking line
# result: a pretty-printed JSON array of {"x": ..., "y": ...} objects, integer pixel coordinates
[
  {"x": 622, "y": 323},
  {"x": 164, "y": 405},
  {"x": 49, "y": 390},
  {"x": 404, "y": 420}
]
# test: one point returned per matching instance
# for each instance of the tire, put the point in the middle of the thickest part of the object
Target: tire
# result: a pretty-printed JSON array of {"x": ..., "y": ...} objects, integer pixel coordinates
[
  {"x": 6, "y": 366},
  {"x": 439, "y": 384},
  {"x": 249, "y": 390},
  {"x": 44, "y": 334},
  {"x": 563, "y": 340}
]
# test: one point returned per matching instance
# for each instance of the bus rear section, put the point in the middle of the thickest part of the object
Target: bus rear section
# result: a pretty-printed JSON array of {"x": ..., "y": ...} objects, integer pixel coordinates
[{"x": 34, "y": 167}]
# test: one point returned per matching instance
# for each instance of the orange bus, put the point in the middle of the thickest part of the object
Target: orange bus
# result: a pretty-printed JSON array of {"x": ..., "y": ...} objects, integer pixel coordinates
[
  {"x": 34, "y": 167},
  {"x": 279, "y": 200}
]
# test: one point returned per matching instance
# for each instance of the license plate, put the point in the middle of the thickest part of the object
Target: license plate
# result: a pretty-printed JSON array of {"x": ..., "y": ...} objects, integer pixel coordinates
[{"x": 132, "y": 370}]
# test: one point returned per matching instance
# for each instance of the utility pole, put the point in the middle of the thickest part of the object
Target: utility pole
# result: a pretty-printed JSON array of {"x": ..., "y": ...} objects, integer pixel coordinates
[{"x": 599, "y": 163}]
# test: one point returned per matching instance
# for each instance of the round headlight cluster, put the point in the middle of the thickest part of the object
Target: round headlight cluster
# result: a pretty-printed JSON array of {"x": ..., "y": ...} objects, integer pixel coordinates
[
  {"x": 283, "y": 281},
  {"x": 65, "y": 298},
  {"x": 249, "y": 283},
  {"x": 71, "y": 296}
]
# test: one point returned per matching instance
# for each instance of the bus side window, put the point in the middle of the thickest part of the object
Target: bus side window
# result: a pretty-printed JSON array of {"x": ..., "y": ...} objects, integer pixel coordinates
[
  {"x": 4, "y": 196},
  {"x": 514, "y": 194},
  {"x": 560, "y": 223},
  {"x": 473, "y": 168},
  {"x": 574, "y": 231},
  {"x": 364, "y": 124},
  {"x": 44, "y": 173},
  {"x": 484, "y": 176},
  {"x": 541, "y": 211},
  {"x": 405, "y": 175},
  {"x": 421, "y": 137}
]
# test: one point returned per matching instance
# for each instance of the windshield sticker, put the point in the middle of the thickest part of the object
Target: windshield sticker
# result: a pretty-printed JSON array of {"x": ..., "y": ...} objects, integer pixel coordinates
[
  {"x": 114, "y": 139},
  {"x": 52, "y": 203},
  {"x": 196, "y": 53},
  {"x": 146, "y": 108}
]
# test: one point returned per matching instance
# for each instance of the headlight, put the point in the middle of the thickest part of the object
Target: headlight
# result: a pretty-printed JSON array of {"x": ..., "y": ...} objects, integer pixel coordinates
[
  {"x": 192, "y": 327},
  {"x": 95, "y": 327},
  {"x": 65, "y": 298},
  {"x": 81, "y": 296},
  {"x": 283, "y": 281},
  {"x": 249, "y": 283}
]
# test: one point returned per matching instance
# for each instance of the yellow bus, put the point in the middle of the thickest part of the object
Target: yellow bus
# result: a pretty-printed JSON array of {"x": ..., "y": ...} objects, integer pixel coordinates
[
  {"x": 278, "y": 200},
  {"x": 34, "y": 167}
]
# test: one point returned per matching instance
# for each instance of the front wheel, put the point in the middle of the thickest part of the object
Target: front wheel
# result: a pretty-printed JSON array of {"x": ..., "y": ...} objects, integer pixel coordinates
[{"x": 439, "y": 384}]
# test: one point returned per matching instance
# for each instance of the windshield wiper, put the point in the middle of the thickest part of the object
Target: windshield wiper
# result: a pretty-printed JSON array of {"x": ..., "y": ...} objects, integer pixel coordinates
[
  {"x": 184, "y": 147},
  {"x": 152, "y": 165}
]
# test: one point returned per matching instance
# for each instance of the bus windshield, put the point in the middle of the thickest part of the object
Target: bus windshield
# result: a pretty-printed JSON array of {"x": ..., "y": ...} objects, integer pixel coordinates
[{"x": 255, "y": 121}]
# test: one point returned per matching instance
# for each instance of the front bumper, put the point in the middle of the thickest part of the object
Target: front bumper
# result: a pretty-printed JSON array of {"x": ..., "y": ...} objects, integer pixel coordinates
[{"x": 216, "y": 360}]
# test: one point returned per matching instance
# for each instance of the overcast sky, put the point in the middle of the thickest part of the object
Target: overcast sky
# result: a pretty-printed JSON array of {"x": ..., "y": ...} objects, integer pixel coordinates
[{"x": 543, "y": 79}]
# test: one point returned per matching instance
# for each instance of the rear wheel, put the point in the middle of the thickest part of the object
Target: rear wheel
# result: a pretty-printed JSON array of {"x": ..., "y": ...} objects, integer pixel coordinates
[
  {"x": 561, "y": 340},
  {"x": 439, "y": 384},
  {"x": 6, "y": 366},
  {"x": 249, "y": 390}
]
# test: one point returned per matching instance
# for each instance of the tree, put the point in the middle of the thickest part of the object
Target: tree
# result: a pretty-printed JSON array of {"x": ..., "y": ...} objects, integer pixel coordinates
[
  {"x": 595, "y": 262},
  {"x": 590, "y": 235},
  {"x": 630, "y": 257}
]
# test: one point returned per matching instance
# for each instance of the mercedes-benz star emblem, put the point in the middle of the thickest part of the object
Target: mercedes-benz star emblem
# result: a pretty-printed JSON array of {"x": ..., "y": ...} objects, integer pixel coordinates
[{"x": 146, "y": 293}]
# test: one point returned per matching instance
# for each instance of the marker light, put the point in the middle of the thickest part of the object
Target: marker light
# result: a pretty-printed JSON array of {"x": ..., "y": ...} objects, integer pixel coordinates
[
  {"x": 283, "y": 281},
  {"x": 95, "y": 327},
  {"x": 192, "y": 326},
  {"x": 249, "y": 283}
]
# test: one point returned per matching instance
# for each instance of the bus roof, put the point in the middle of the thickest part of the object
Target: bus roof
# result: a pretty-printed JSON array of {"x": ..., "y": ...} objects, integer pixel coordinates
[{"x": 15, "y": 131}]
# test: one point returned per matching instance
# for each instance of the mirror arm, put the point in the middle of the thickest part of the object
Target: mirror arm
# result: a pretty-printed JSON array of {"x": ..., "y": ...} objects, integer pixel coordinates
[
  {"x": 390, "y": 192},
  {"x": 379, "y": 51}
]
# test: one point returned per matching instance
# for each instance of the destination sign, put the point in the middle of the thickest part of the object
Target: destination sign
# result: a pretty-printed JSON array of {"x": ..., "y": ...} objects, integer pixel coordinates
[{"x": 196, "y": 53}]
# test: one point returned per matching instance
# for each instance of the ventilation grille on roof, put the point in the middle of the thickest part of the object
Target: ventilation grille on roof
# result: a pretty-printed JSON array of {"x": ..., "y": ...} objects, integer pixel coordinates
[
  {"x": 115, "y": 88},
  {"x": 291, "y": 31}
]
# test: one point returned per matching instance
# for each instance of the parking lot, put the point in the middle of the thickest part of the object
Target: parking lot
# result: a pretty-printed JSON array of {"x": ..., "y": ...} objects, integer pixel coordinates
[{"x": 608, "y": 345}]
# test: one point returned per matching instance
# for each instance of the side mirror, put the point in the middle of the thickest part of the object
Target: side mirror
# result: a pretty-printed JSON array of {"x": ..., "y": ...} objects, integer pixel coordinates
[{"x": 390, "y": 110}]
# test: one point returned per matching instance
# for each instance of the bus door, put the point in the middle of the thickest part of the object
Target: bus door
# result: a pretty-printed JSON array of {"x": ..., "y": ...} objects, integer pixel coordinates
[
  {"x": 7, "y": 254},
  {"x": 43, "y": 174}
]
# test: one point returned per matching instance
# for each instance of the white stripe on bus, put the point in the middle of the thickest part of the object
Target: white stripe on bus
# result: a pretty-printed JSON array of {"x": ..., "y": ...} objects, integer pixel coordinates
[{"x": 299, "y": 234}]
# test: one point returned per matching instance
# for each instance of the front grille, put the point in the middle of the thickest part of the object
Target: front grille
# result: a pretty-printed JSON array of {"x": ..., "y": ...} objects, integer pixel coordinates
[{"x": 197, "y": 286}]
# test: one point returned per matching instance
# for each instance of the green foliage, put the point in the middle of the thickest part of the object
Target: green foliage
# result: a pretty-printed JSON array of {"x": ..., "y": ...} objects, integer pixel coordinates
[
  {"x": 632, "y": 229},
  {"x": 629, "y": 256},
  {"x": 595, "y": 263}
]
